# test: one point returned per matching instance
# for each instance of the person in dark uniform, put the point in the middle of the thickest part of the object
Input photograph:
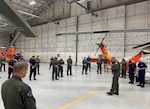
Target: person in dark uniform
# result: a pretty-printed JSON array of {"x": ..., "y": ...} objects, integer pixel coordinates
[
  {"x": 3, "y": 63},
  {"x": 15, "y": 93},
  {"x": 55, "y": 70},
  {"x": 85, "y": 65},
  {"x": 123, "y": 68},
  {"x": 17, "y": 56},
  {"x": 60, "y": 64},
  {"x": 51, "y": 62},
  {"x": 131, "y": 71},
  {"x": 69, "y": 65},
  {"x": 99, "y": 66},
  {"x": 89, "y": 63},
  {"x": 105, "y": 61},
  {"x": 116, "y": 74},
  {"x": 141, "y": 73},
  {"x": 11, "y": 67},
  {"x": 32, "y": 62},
  {"x": 38, "y": 64}
]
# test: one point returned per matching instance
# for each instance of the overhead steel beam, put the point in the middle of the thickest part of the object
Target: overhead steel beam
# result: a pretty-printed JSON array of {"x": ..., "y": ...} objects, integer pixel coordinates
[
  {"x": 85, "y": 8},
  {"x": 11, "y": 14},
  {"x": 106, "y": 31},
  {"x": 14, "y": 39}
]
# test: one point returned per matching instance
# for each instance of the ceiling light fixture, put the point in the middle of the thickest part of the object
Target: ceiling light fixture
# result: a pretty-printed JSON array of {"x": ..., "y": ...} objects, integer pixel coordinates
[
  {"x": 80, "y": 1},
  {"x": 32, "y": 2},
  {"x": 23, "y": 12}
]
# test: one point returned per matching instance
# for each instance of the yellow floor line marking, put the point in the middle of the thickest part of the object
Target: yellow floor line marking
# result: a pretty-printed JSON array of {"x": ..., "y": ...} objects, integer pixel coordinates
[
  {"x": 135, "y": 98},
  {"x": 96, "y": 91},
  {"x": 79, "y": 99}
]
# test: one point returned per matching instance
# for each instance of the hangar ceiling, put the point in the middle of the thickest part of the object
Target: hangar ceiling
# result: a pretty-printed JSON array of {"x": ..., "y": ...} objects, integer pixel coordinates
[
  {"x": 31, "y": 11},
  {"x": 28, "y": 10}
]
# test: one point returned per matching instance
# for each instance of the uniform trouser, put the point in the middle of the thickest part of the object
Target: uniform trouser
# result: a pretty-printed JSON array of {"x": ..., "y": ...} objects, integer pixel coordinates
[
  {"x": 10, "y": 71},
  {"x": 89, "y": 66},
  {"x": 115, "y": 85},
  {"x": 105, "y": 68},
  {"x": 38, "y": 67},
  {"x": 3, "y": 65},
  {"x": 123, "y": 73},
  {"x": 84, "y": 68},
  {"x": 99, "y": 68},
  {"x": 141, "y": 78},
  {"x": 50, "y": 65},
  {"x": 60, "y": 72},
  {"x": 54, "y": 73},
  {"x": 131, "y": 76},
  {"x": 32, "y": 71},
  {"x": 69, "y": 68}
]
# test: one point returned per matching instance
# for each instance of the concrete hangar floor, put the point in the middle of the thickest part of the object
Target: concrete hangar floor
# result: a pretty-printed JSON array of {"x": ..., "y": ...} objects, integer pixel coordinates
[{"x": 83, "y": 91}]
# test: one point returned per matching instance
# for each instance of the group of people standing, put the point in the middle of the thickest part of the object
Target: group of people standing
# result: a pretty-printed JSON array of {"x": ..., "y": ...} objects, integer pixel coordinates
[
  {"x": 86, "y": 62},
  {"x": 57, "y": 67}
]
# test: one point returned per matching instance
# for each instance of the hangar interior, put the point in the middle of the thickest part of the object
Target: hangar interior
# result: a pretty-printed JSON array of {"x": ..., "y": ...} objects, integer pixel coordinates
[
  {"x": 46, "y": 18},
  {"x": 62, "y": 16}
]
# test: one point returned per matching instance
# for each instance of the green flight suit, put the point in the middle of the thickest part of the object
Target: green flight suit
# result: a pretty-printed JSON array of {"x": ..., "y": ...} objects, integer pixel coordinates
[
  {"x": 123, "y": 69},
  {"x": 116, "y": 74},
  {"x": 37, "y": 62},
  {"x": 17, "y": 95}
]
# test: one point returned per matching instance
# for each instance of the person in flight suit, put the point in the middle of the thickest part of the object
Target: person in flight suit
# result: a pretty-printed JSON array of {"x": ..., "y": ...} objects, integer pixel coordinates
[
  {"x": 51, "y": 62},
  {"x": 116, "y": 74},
  {"x": 141, "y": 73},
  {"x": 123, "y": 68},
  {"x": 11, "y": 67},
  {"x": 38, "y": 64},
  {"x": 69, "y": 65},
  {"x": 55, "y": 69},
  {"x": 131, "y": 71},
  {"x": 3, "y": 62},
  {"x": 60, "y": 64},
  {"x": 85, "y": 65},
  {"x": 15, "y": 93},
  {"x": 105, "y": 61},
  {"x": 89, "y": 63},
  {"x": 99, "y": 66},
  {"x": 32, "y": 62}
]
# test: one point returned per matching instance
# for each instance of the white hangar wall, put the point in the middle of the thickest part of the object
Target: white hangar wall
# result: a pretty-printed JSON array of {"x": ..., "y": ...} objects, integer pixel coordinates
[{"x": 118, "y": 44}]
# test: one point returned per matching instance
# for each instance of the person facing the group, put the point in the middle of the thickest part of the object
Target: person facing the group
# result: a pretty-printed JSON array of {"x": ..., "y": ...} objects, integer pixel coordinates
[
  {"x": 84, "y": 67},
  {"x": 69, "y": 66},
  {"x": 60, "y": 65},
  {"x": 116, "y": 74},
  {"x": 32, "y": 62},
  {"x": 123, "y": 68},
  {"x": 131, "y": 71},
  {"x": 15, "y": 93},
  {"x": 141, "y": 73},
  {"x": 38, "y": 64},
  {"x": 99, "y": 66}
]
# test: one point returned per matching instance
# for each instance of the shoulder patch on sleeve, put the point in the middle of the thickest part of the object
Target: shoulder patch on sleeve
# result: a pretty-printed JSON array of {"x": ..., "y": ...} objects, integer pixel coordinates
[{"x": 29, "y": 93}]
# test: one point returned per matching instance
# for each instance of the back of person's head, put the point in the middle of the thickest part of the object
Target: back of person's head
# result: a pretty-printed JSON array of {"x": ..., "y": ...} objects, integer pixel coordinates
[{"x": 19, "y": 66}]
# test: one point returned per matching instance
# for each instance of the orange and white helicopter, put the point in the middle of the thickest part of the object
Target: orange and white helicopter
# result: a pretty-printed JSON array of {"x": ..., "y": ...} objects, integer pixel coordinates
[
  {"x": 102, "y": 47},
  {"x": 7, "y": 53}
]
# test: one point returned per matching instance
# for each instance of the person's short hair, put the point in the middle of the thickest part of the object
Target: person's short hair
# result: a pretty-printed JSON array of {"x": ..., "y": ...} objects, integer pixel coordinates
[{"x": 20, "y": 66}]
